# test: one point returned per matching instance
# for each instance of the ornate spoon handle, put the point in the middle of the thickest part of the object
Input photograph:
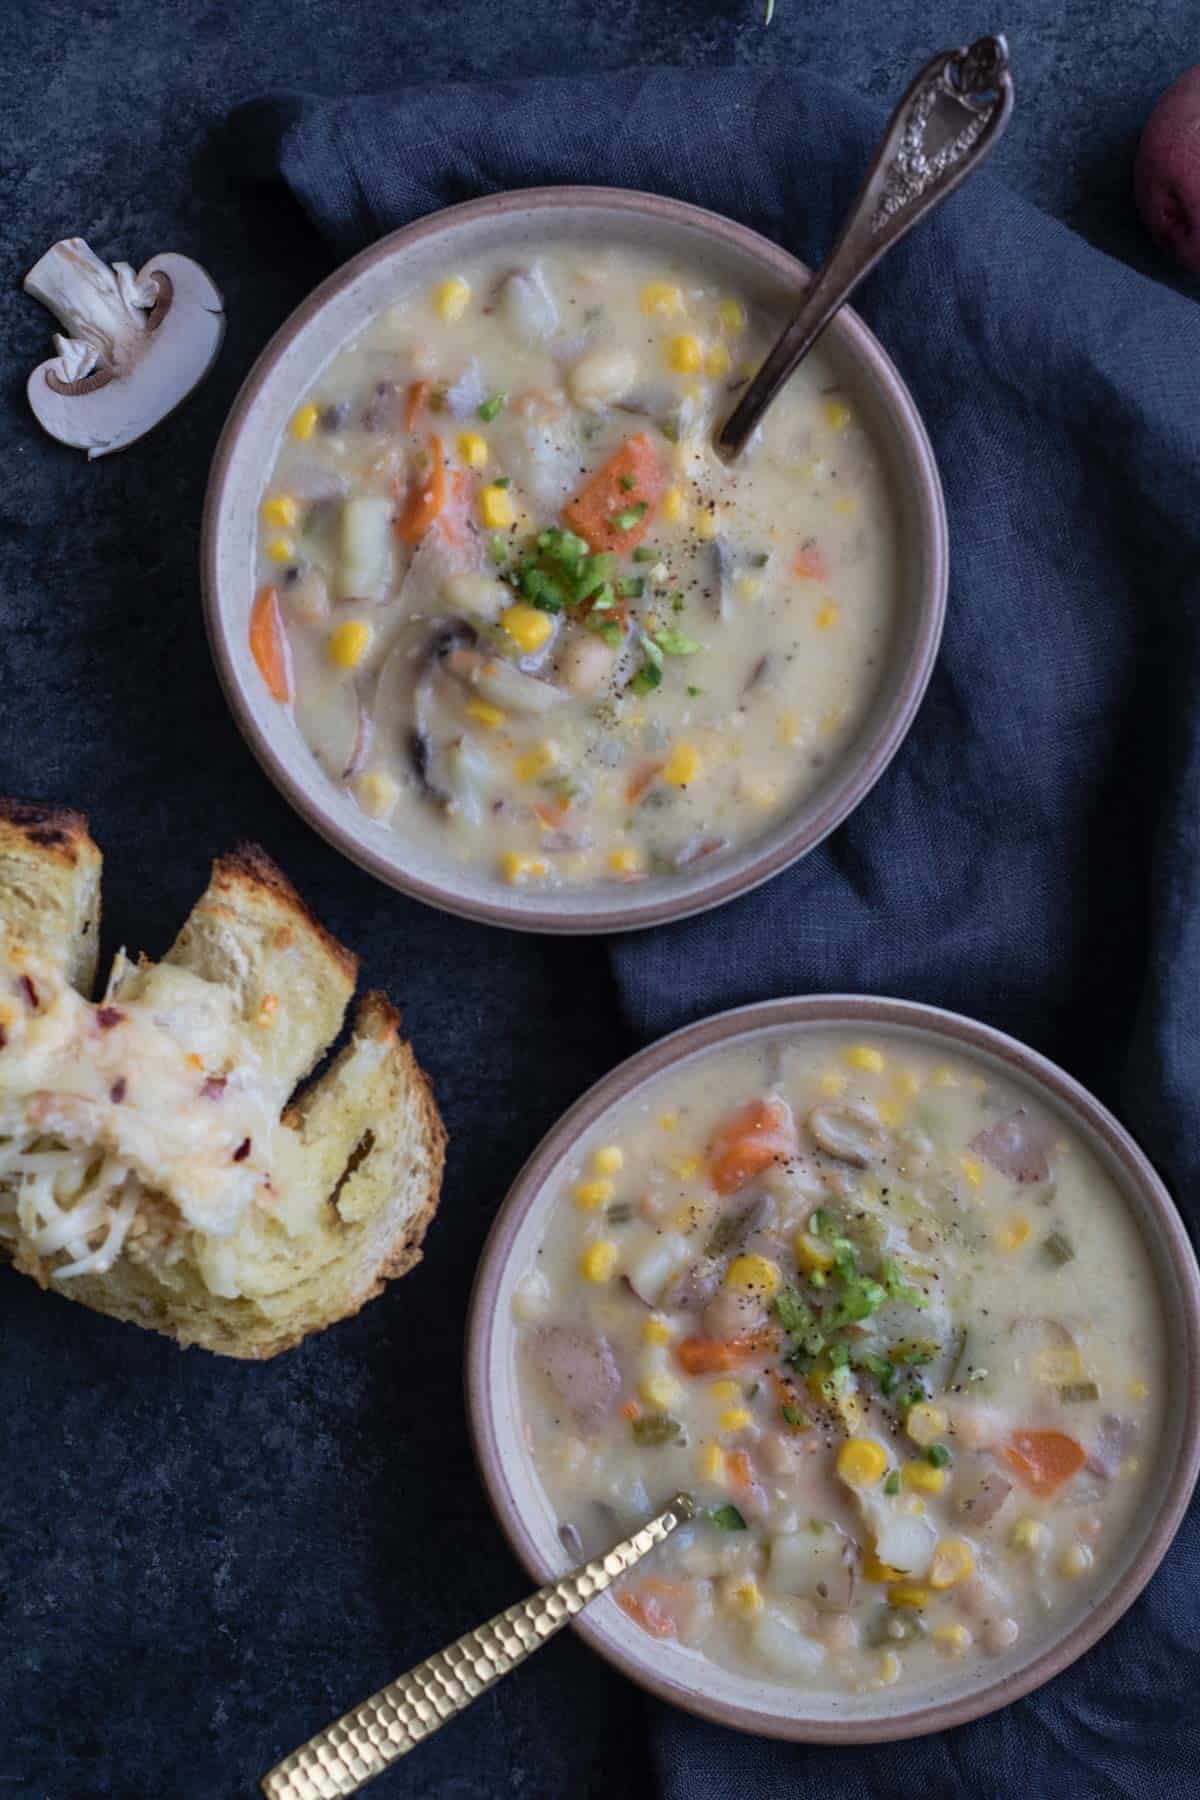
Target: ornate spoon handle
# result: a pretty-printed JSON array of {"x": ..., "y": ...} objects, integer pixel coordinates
[
  {"x": 949, "y": 120},
  {"x": 364, "y": 1742}
]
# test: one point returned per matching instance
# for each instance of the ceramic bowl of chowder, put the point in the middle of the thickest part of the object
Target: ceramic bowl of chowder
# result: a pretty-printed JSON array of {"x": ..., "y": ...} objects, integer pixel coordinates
[
  {"x": 902, "y": 1307},
  {"x": 497, "y": 620}
]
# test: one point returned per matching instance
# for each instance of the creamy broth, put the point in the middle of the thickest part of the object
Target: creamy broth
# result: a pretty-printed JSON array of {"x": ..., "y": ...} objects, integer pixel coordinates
[
  {"x": 891, "y": 1324},
  {"x": 519, "y": 610}
]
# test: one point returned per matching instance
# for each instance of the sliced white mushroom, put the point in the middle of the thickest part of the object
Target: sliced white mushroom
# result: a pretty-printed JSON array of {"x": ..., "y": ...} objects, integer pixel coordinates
[{"x": 134, "y": 345}]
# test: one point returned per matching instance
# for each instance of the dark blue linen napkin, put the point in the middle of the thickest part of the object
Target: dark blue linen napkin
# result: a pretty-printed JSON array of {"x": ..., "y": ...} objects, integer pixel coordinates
[{"x": 1031, "y": 855}]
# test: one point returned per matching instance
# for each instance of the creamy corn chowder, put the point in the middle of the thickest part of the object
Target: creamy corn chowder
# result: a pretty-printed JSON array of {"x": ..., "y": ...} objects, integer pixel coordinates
[
  {"x": 522, "y": 613},
  {"x": 888, "y": 1321}
]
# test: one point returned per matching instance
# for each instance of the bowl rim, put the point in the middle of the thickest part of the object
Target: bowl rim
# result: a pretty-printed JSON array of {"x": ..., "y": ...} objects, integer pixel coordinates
[
  {"x": 746, "y": 869},
  {"x": 836, "y": 1010}
]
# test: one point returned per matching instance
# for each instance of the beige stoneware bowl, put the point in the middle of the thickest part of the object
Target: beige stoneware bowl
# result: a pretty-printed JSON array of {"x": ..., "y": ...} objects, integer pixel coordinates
[
  {"x": 410, "y": 260},
  {"x": 773, "y": 1708}
]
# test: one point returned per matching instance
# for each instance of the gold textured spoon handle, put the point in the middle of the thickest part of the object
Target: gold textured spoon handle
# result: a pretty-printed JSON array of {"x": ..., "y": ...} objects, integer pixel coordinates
[{"x": 364, "y": 1742}]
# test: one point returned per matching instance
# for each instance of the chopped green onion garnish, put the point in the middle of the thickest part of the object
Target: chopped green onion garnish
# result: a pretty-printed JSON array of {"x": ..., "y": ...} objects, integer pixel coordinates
[
  {"x": 628, "y": 483},
  {"x": 644, "y": 553},
  {"x": 631, "y": 516},
  {"x": 694, "y": 693},
  {"x": 1059, "y": 1248},
  {"x": 631, "y": 587},
  {"x": 727, "y": 1518},
  {"x": 502, "y": 481},
  {"x": 892, "y": 1484},
  {"x": 938, "y": 1455},
  {"x": 789, "y": 1415},
  {"x": 675, "y": 643},
  {"x": 491, "y": 406},
  {"x": 498, "y": 549}
]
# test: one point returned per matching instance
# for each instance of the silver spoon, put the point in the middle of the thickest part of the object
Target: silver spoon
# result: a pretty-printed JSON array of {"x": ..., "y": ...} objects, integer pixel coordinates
[
  {"x": 950, "y": 119},
  {"x": 366, "y": 1741}
]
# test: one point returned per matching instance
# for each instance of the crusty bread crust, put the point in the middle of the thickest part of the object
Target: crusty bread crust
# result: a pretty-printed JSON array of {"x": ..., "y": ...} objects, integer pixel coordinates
[
  {"x": 366, "y": 1132},
  {"x": 50, "y": 885}
]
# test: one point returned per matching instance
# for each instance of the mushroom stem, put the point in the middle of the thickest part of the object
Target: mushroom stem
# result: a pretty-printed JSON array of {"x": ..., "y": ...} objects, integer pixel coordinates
[{"x": 104, "y": 310}]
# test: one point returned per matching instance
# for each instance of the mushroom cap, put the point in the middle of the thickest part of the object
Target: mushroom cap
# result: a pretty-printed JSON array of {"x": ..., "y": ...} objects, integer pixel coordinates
[{"x": 104, "y": 412}]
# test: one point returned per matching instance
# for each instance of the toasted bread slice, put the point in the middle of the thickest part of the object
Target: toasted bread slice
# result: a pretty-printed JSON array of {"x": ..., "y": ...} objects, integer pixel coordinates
[
  {"x": 355, "y": 1160},
  {"x": 50, "y": 885}
]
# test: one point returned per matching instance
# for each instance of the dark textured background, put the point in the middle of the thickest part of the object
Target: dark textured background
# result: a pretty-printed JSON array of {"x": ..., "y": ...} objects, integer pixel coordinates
[{"x": 200, "y": 1562}]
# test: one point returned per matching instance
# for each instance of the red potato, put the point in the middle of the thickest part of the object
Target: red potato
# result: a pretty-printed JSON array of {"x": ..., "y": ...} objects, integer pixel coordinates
[{"x": 1166, "y": 175}]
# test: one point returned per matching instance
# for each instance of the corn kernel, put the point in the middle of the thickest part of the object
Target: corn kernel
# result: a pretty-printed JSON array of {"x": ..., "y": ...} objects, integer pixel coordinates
[
  {"x": 890, "y": 1668},
  {"x": 874, "y": 1570},
  {"x": 348, "y": 643},
  {"x": 706, "y": 524},
  {"x": 686, "y": 1167},
  {"x": 599, "y": 1261},
  {"x": 747, "y": 588},
  {"x": 846, "y": 505},
  {"x": 753, "y": 1275},
  {"x": 865, "y": 1057},
  {"x": 528, "y": 627},
  {"x": 731, "y": 317},
  {"x": 891, "y": 1113},
  {"x": 909, "y": 1593},
  {"x": 609, "y": 1160},
  {"x": 472, "y": 449},
  {"x": 497, "y": 511},
  {"x": 661, "y": 1391},
  {"x": 485, "y": 713},
  {"x": 451, "y": 299},
  {"x": 669, "y": 1120},
  {"x": 726, "y": 1390},
  {"x": 673, "y": 505},
  {"x": 281, "y": 510},
  {"x": 925, "y": 1423},
  {"x": 304, "y": 423},
  {"x": 787, "y": 729},
  {"x": 1014, "y": 1232},
  {"x": 832, "y": 1083},
  {"x": 662, "y": 297},
  {"x": 861, "y": 1462},
  {"x": 953, "y": 1560},
  {"x": 376, "y": 793},
  {"x": 827, "y": 616},
  {"x": 971, "y": 1167},
  {"x": 734, "y": 1418},
  {"x": 685, "y": 354},
  {"x": 923, "y": 1477},
  {"x": 811, "y": 1253},
  {"x": 1028, "y": 1534},
  {"x": 681, "y": 766},
  {"x": 537, "y": 761},
  {"x": 951, "y": 1640},
  {"x": 906, "y": 1084},
  {"x": 1075, "y": 1561},
  {"x": 591, "y": 1194},
  {"x": 516, "y": 867},
  {"x": 281, "y": 549},
  {"x": 837, "y": 414},
  {"x": 743, "y": 1596},
  {"x": 1138, "y": 1390},
  {"x": 711, "y": 1462},
  {"x": 656, "y": 1330},
  {"x": 625, "y": 861},
  {"x": 718, "y": 362}
]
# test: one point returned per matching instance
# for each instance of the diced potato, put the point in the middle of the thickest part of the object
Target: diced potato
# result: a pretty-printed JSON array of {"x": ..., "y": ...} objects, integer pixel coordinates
[
  {"x": 365, "y": 564},
  {"x": 602, "y": 377},
  {"x": 779, "y": 1643},
  {"x": 478, "y": 595}
]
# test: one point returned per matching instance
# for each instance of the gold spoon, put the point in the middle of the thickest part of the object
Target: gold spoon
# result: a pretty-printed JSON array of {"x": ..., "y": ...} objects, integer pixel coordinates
[
  {"x": 950, "y": 119},
  {"x": 379, "y": 1731}
]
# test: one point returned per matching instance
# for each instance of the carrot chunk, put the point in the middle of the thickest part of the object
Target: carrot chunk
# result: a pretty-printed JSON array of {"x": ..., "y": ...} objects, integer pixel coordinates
[
  {"x": 1044, "y": 1460},
  {"x": 712, "y": 1356},
  {"x": 651, "y": 1607},
  {"x": 426, "y": 497},
  {"x": 811, "y": 562},
  {"x": 415, "y": 402},
  {"x": 758, "y": 1134},
  {"x": 615, "y": 509},
  {"x": 268, "y": 643}
]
